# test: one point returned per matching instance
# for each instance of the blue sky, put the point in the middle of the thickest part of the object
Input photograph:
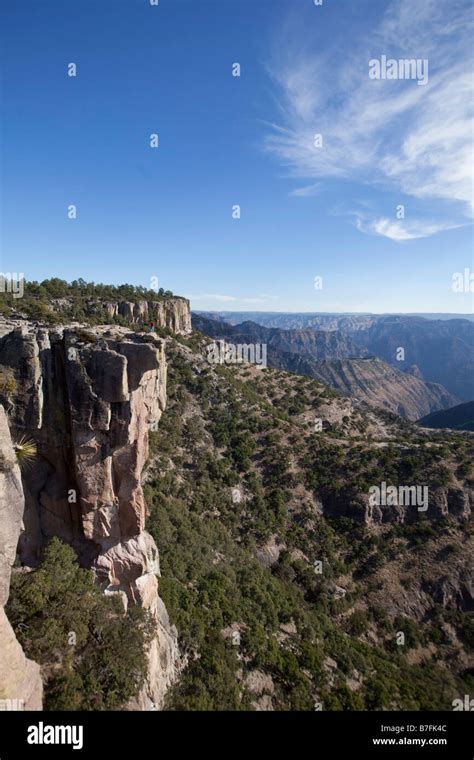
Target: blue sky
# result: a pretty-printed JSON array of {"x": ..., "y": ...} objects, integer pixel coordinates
[{"x": 306, "y": 211}]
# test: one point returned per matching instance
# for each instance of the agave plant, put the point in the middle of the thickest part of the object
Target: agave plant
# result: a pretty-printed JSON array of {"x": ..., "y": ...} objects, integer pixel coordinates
[{"x": 25, "y": 450}]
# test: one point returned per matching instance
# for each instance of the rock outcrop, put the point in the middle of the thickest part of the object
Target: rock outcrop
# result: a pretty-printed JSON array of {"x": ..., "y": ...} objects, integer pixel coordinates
[
  {"x": 440, "y": 502},
  {"x": 88, "y": 398},
  {"x": 172, "y": 313},
  {"x": 20, "y": 680}
]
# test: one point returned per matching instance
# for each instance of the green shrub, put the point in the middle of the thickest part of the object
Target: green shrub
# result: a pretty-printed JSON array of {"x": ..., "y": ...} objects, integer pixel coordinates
[{"x": 93, "y": 654}]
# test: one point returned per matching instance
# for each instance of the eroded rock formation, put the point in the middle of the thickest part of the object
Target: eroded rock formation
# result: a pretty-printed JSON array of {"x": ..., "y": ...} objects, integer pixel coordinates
[
  {"x": 172, "y": 313},
  {"x": 88, "y": 398},
  {"x": 20, "y": 680},
  {"x": 440, "y": 502}
]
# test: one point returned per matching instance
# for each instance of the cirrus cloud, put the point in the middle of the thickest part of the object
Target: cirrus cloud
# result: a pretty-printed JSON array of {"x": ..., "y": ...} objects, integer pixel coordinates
[{"x": 384, "y": 134}]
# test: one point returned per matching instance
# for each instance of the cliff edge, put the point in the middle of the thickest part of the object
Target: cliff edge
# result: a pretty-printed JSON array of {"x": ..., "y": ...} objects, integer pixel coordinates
[
  {"x": 20, "y": 681},
  {"x": 87, "y": 399}
]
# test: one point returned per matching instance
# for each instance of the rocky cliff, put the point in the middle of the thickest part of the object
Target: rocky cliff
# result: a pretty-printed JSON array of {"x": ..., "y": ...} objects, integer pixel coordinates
[
  {"x": 172, "y": 313},
  {"x": 87, "y": 399},
  {"x": 20, "y": 679}
]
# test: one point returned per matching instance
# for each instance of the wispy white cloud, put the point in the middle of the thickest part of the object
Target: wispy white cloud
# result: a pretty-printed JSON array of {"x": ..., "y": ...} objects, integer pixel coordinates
[
  {"x": 401, "y": 230},
  {"x": 384, "y": 133},
  {"x": 306, "y": 190}
]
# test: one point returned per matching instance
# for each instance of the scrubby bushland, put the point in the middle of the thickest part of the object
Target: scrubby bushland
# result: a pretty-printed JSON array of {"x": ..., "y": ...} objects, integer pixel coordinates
[
  {"x": 238, "y": 614},
  {"x": 37, "y": 298},
  {"x": 92, "y": 654}
]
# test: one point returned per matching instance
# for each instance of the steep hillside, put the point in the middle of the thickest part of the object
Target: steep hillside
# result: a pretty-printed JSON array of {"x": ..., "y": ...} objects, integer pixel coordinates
[
  {"x": 335, "y": 359},
  {"x": 441, "y": 348},
  {"x": 460, "y": 417},
  {"x": 378, "y": 383},
  {"x": 289, "y": 588}
]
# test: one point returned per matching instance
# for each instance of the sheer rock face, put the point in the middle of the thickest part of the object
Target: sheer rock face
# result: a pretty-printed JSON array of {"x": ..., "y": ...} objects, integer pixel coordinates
[
  {"x": 173, "y": 313},
  {"x": 20, "y": 679},
  {"x": 88, "y": 398},
  {"x": 11, "y": 506}
]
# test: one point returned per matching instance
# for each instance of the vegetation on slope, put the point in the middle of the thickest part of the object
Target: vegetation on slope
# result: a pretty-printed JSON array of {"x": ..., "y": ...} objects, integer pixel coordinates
[
  {"x": 38, "y": 298},
  {"x": 259, "y": 627},
  {"x": 92, "y": 653}
]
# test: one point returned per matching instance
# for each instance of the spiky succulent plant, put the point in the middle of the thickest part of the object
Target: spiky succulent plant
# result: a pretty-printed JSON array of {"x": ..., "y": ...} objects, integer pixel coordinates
[{"x": 25, "y": 450}]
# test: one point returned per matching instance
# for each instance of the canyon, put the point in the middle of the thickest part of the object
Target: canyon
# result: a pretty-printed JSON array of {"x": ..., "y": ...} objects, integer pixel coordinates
[
  {"x": 335, "y": 358},
  {"x": 139, "y": 446},
  {"x": 438, "y": 347}
]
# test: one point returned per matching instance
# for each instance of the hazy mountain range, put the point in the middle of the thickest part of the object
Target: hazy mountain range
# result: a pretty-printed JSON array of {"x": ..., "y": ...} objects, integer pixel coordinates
[
  {"x": 294, "y": 320},
  {"x": 439, "y": 351},
  {"x": 362, "y": 355},
  {"x": 460, "y": 417}
]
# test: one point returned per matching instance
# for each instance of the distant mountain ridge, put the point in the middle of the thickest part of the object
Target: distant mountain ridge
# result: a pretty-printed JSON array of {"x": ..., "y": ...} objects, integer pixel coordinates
[
  {"x": 320, "y": 344},
  {"x": 335, "y": 359},
  {"x": 436, "y": 350},
  {"x": 292, "y": 320},
  {"x": 460, "y": 417}
]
